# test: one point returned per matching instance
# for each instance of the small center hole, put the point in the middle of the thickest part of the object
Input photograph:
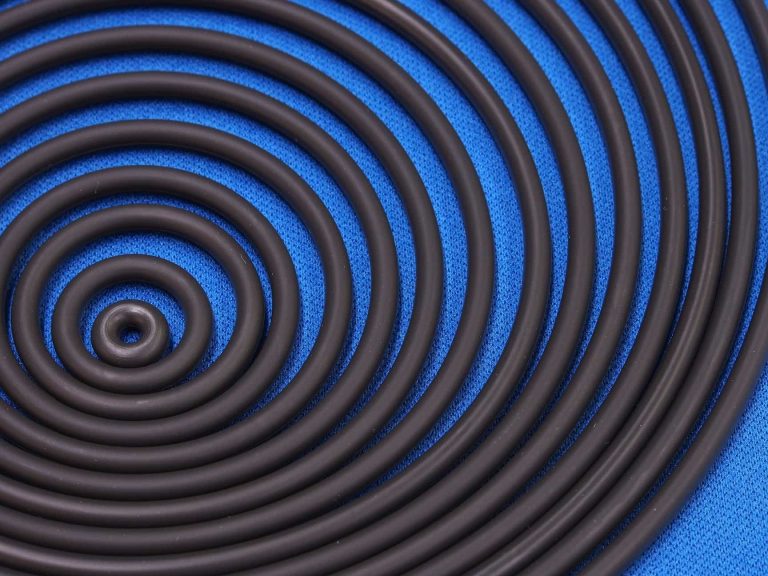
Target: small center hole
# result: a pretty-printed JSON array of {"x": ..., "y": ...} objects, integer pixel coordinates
[{"x": 130, "y": 335}]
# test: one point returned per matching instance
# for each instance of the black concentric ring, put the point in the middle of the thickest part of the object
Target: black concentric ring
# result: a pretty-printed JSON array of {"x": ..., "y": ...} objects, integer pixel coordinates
[
  {"x": 120, "y": 463},
  {"x": 112, "y": 332}
]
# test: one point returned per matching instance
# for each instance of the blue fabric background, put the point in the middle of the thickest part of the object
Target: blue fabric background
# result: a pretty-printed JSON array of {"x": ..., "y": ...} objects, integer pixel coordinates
[{"x": 724, "y": 529}]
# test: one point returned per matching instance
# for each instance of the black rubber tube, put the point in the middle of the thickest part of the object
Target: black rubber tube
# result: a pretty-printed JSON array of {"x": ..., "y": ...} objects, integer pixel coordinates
[
  {"x": 634, "y": 378},
  {"x": 277, "y": 343},
  {"x": 134, "y": 460},
  {"x": 113, "y": 328},
  {"x": 667, "y": 379},
  {"x": 553, "y": 430},
  {"x": 529, "y": 338},
  {"x": 169, "y": 489},
  {"x": 24, "y": 313},
  {"x": 106, "y": 329},
  {"x": 488, "y": 457},
  {"x": 741, "y": 382},
  {"x": 724, "y": 321}
]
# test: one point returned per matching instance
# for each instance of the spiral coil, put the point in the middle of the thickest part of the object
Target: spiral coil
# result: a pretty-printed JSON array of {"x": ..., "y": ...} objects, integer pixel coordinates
[{"x": 129, "y": 461}]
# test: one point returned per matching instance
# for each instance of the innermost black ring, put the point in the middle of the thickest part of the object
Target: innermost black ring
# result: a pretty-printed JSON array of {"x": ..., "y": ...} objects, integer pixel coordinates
[{"x": 111, "y": 326}]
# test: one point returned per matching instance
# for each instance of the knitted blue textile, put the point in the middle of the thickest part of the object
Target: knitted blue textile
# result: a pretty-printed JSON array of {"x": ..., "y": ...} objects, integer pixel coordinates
[{"x": 724, "y": 528}]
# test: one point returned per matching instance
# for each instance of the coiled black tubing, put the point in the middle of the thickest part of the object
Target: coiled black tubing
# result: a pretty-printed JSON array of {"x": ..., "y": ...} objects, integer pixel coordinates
[{"x": 111, "y": 469}]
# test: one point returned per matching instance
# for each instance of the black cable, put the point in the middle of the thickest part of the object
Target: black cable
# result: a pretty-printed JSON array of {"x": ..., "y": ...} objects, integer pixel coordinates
[
  {"x": 741, "y": 382},
  {"x": 113, "y": 470},
  {"x": 723, "y": 324},
  {"x": 634, "y": 378},
  {"x": 106, "y": 334}
]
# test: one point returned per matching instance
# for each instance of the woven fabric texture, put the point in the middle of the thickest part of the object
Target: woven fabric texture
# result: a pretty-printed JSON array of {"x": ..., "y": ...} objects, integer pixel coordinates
[{"x": 724, "y": 528}]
